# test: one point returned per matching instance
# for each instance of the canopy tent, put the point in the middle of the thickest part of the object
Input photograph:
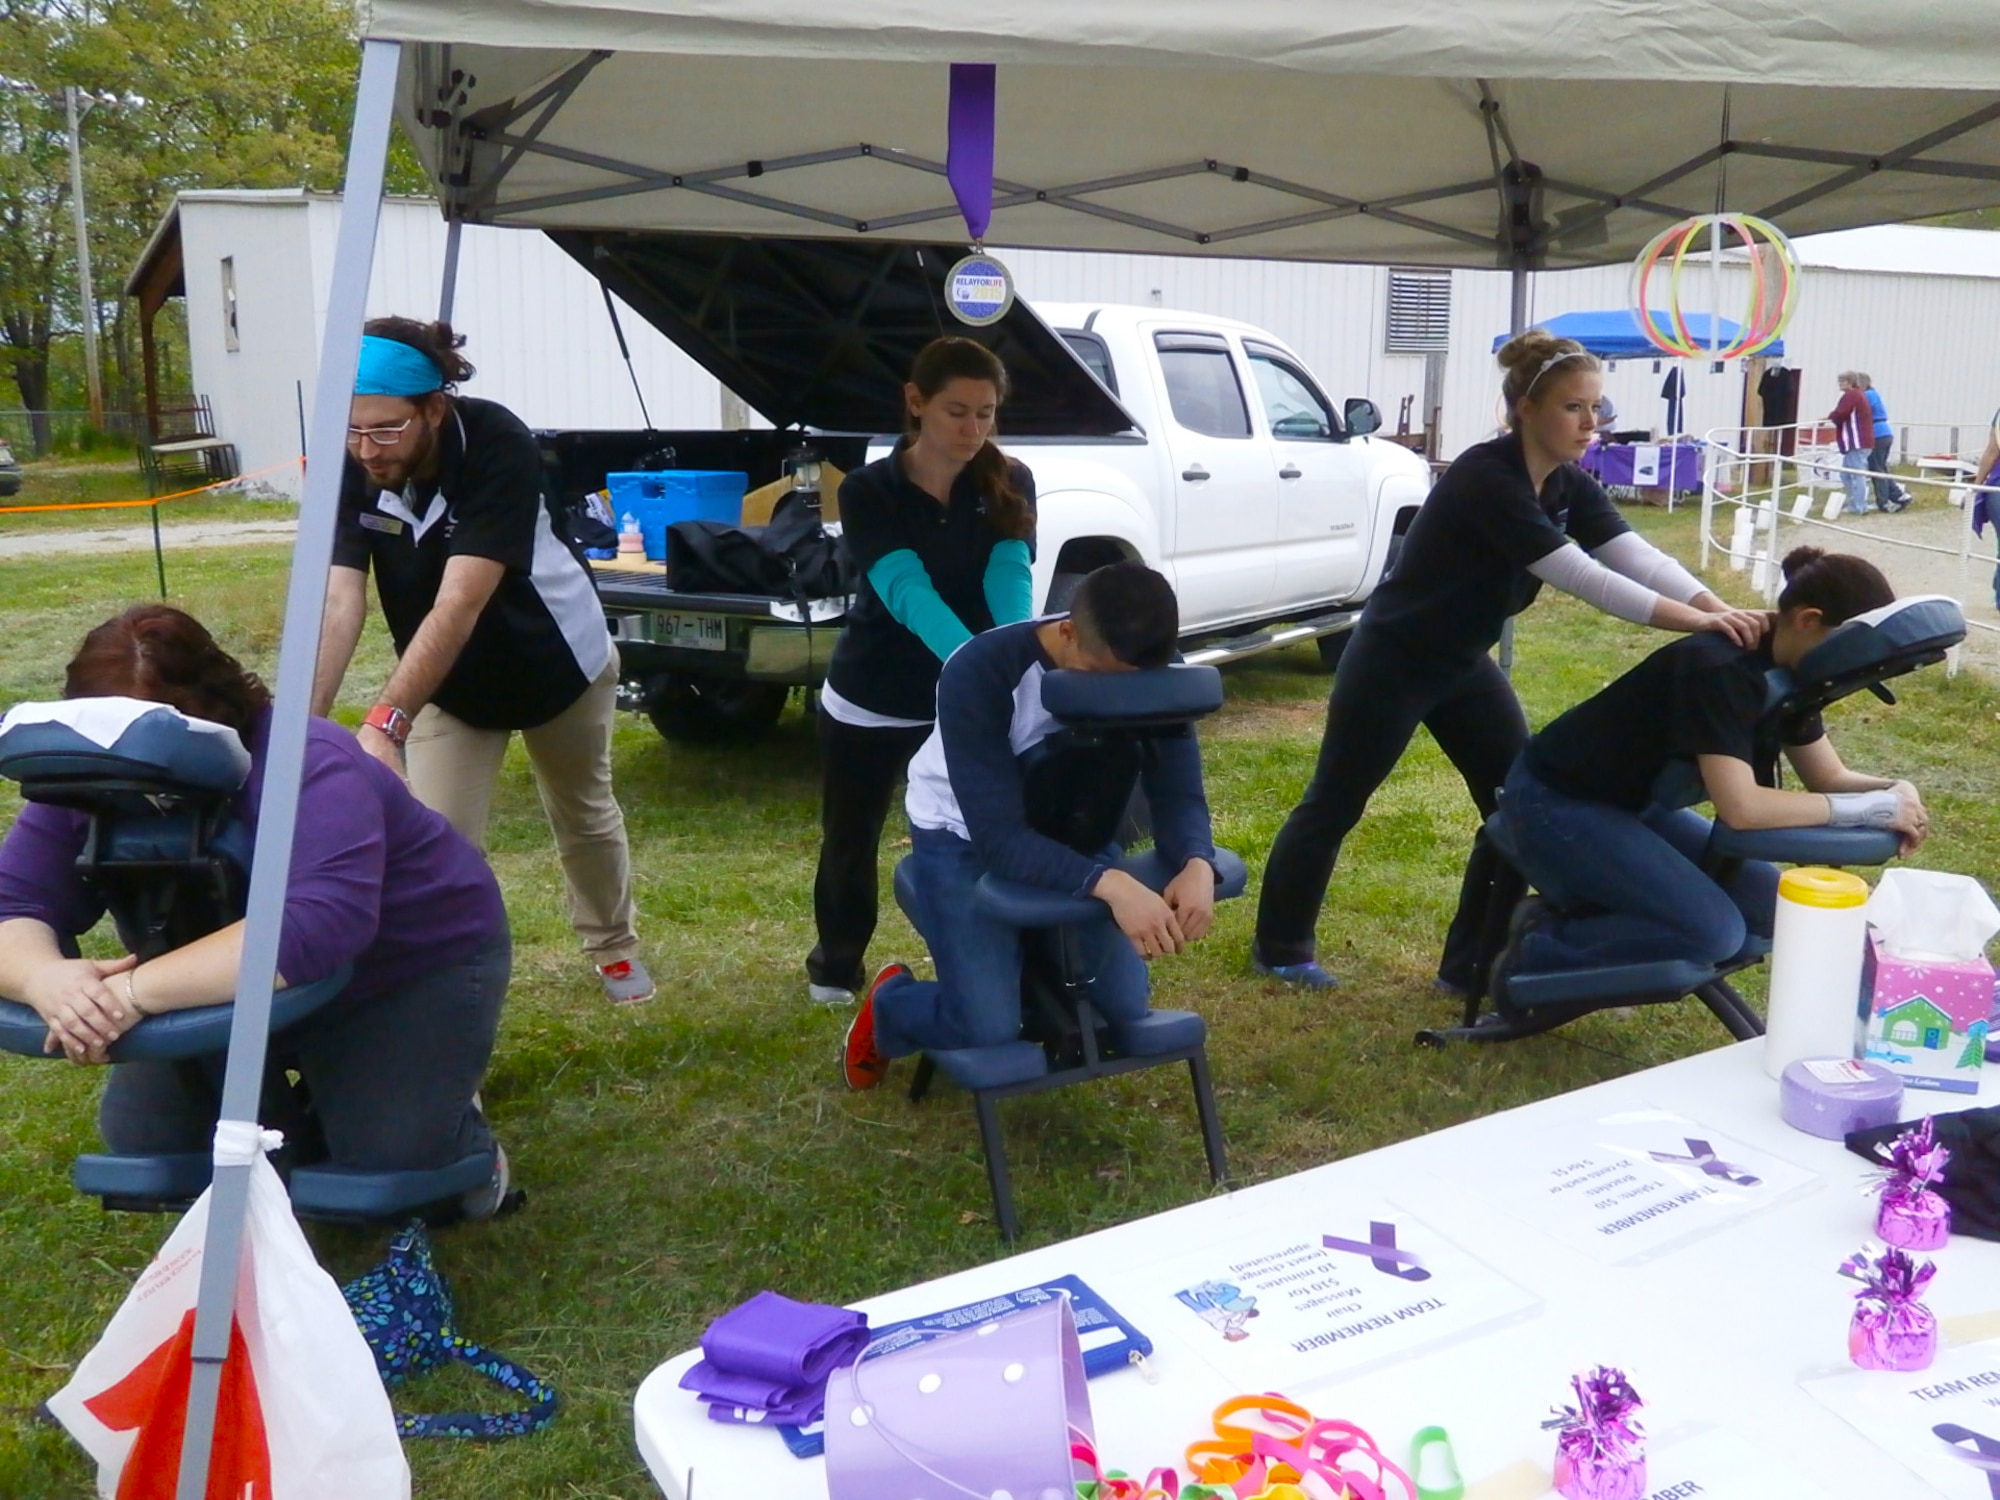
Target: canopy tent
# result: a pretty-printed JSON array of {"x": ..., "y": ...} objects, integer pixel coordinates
[
  {"x": 1616, "y": 334},
  {"x": 1518, "y": 133}
]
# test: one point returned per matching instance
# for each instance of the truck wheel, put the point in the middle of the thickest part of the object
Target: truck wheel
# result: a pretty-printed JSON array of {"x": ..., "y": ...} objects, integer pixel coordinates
[
  {"x": 703, "y": 710},
  {"x": 1333, "y": 647}
]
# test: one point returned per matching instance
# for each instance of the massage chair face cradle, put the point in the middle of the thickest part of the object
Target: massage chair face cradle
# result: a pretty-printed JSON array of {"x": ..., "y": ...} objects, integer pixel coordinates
[
  {"x": 1864, "y": 653},
  {"x": 171, "y": 864}
]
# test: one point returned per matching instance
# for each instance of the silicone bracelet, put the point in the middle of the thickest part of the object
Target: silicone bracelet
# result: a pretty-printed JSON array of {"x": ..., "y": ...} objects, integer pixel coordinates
[{"x": 1435, "y": 1437}]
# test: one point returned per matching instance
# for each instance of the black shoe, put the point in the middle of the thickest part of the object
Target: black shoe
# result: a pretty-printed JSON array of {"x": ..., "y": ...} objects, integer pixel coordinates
[{"x": 1531, "y": 913}]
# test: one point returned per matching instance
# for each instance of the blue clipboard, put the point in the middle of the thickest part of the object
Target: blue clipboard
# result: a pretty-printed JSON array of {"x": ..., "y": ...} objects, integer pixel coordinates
[{"x": 1109, "y": 1341}]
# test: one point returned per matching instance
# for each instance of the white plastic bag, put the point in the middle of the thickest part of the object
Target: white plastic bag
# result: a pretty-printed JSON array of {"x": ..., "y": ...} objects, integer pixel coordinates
[{"x": 303, "y": 1414}]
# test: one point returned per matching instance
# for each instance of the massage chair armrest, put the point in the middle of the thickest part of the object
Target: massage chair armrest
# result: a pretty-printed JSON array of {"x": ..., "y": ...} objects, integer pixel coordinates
[
  {"x": 201, "y": 1031},
  {"x": 1017, "y": 905},
  {"x": 1805, "y": 846}
]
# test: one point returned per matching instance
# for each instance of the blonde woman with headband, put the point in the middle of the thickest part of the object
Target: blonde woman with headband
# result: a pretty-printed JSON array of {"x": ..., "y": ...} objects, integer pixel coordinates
[{"x": 1508, "y": 516}]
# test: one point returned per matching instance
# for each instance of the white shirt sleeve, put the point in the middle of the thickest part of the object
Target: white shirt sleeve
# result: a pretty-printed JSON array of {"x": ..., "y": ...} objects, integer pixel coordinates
[
  {"x": 1572, "y": 570},
  {"x": 1646, "y": 565}
]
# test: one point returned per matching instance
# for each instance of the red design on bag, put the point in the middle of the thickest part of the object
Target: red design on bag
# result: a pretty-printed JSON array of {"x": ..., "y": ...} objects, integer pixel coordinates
[{"x": 154, "y": 1399}]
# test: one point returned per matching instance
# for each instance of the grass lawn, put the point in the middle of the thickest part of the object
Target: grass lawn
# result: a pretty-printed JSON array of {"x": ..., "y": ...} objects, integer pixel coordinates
[
  {"x": 681, "y": 1157},
  {"x": 70, "y": 481}
]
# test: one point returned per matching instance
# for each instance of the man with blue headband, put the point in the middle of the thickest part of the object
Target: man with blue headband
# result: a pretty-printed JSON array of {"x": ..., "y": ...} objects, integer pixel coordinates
[{"x": 496, "y": 623}]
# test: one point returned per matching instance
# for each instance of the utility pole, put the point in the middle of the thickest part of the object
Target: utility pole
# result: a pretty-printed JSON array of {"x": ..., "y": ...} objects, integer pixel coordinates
[{"x": 85, "y": 292}]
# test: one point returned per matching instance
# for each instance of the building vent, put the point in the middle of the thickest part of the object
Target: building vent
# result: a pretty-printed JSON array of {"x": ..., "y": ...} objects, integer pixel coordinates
[{"x": 1419, "y": 312}]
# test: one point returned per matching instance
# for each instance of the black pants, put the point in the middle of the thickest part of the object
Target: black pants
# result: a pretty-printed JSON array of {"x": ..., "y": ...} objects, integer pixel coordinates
[
  {"x": 1380, "y": 696},
  {"x": 859, "y": 770},
  {"x": 1886, "y": 488}
]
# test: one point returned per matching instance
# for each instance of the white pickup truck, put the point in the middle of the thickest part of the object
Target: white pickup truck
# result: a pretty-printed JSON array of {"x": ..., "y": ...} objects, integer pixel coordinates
[{"x": 1201, "y": 446}]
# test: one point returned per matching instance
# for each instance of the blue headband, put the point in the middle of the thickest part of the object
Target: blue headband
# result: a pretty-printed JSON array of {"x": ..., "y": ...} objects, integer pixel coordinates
[{"x": 389, "y": 368}]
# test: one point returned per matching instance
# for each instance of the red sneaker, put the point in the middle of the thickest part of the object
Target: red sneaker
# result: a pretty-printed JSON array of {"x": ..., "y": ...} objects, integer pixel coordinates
[{"x": 862, "y": 1062}]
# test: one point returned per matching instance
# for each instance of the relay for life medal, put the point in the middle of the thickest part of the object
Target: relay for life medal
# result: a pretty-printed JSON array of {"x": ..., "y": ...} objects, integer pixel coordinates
[{"x": 979, "y": 290}]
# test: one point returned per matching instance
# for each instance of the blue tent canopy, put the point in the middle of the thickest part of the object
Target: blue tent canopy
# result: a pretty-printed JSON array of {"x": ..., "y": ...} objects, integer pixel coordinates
[{"x": 1616, "y": 335}]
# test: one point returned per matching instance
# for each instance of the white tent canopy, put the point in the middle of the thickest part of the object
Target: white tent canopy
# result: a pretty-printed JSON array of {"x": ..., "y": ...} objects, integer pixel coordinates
[{"x": 1279, "y": 128}]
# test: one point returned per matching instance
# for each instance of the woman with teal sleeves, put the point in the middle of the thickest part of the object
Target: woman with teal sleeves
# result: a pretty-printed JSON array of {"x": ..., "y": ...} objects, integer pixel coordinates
[{"x": 941, "y": 536}]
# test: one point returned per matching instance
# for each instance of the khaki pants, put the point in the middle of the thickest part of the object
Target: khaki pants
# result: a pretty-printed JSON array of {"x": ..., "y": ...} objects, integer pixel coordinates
[{"x": 454, "y": 766}]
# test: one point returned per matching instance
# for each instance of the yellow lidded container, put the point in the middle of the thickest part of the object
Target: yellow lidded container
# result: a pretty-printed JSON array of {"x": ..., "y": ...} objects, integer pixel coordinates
[{"x": 1811, "y": 885}]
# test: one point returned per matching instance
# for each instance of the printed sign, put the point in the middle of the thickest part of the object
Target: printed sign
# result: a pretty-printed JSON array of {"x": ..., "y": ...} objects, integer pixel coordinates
[
  {"x": 1626, "y": 1186},
  {"x": 979, "y": 290},
  {"x": 1309, "y": 1295},
  {"x": 1942, "y": 1423}
]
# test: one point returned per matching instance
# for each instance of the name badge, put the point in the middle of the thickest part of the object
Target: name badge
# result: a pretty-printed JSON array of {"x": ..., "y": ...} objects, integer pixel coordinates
[{"x": 387, "y": 525}]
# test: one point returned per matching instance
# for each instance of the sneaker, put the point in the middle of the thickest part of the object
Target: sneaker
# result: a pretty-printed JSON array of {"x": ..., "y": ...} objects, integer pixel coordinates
[
  {"x": 1306, "y": 976},
  {"x": 829, "y": 994},
  {"x": 626, "y": 982},
  {"x": 484, "y": 1202},
  {"x": 861, "y": 1061}
]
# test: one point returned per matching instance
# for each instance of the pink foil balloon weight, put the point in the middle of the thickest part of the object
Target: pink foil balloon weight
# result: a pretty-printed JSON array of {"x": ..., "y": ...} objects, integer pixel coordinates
[
  {"x": 1600, "y": 1447},
  {"x": 1891, "y": 1329},
  {"x": 1912, "y": 1215}
]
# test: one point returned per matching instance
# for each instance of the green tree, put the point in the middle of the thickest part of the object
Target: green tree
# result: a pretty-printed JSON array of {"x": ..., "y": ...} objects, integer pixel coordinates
[{"x": 230, "y": 93}]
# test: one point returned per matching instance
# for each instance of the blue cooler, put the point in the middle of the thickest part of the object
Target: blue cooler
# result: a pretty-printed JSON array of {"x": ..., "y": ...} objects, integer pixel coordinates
[{"x": 659, "y": 500}]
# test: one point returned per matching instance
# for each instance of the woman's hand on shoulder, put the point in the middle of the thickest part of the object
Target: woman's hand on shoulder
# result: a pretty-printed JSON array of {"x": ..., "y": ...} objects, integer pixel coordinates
[
  {"x": 1746, "y": 627},
  {"x": 82, "y": 1005}
]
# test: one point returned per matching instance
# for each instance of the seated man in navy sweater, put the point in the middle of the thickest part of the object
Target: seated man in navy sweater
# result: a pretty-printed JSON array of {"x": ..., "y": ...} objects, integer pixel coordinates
[{"x": 968, "y": 815}]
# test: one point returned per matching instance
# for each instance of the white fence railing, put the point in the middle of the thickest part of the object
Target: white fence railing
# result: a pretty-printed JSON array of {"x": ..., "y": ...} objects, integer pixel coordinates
[{"x": 1757, "y": 505}]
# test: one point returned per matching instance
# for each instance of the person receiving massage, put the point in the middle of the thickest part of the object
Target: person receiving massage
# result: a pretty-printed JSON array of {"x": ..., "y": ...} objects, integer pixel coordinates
[
  {"x": 940, "y": 533},
  {"x": 378, "y": 881},
  {"x": 1579, "y": 800},
  {"x": 1508, "y": 516},
  {"x": 968, "y": 816}
]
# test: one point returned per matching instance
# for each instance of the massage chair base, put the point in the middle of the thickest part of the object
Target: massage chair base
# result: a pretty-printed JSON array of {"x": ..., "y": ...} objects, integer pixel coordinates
[
  {"x": 1065, "y": 1041},
  {"x": 1605, "y": 989},
  {"x": 169, "y": 1183}
]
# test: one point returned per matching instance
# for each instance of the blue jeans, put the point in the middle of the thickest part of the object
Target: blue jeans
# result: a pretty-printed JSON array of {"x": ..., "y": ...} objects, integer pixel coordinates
[
  {"x": 976, "y": 999},
  {"x": 1636, "y": 878},
  {"x": 1854, "y": 476},
  {"x": 1887, "y": 491}
]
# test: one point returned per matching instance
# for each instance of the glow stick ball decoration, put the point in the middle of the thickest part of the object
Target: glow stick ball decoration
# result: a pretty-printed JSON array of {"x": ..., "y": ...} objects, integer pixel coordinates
[{"x": 1772, "y": 297}]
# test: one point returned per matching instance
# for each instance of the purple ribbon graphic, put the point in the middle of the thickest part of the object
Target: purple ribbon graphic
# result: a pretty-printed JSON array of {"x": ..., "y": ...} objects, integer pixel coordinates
[
  {"x": 968, "y": 160},
  {"x": 1702, "y": 1155},
  {"x": 1987, "y": 1458},
  {"x": 1382, "y": 1252}
]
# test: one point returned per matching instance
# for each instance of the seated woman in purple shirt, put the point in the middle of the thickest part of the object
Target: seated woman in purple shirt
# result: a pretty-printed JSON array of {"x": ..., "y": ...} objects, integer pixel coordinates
[{"x": 378, "y": 881}]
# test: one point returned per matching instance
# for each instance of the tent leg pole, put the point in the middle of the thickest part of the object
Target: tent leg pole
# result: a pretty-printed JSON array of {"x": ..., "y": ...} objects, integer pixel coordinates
[
  {"x": 284, "y": 760},
  {"x": 1517, "y": 322},
  {"x": 448, "y": 293}
]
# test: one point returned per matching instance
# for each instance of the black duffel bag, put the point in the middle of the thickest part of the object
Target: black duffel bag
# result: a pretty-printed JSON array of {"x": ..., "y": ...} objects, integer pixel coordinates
[{"x": 791, "y": 558}]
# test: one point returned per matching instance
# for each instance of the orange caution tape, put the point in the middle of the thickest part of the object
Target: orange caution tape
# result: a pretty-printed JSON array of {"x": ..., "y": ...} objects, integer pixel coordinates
[{"x": 200, "y": 489}]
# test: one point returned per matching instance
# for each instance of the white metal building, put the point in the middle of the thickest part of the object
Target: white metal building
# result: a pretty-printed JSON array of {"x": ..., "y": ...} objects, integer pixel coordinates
[{"x": 1908, "y": 304}]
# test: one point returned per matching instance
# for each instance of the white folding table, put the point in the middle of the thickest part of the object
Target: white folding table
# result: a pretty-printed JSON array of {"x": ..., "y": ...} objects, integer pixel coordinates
[{"x": 1716, "y": 1330}]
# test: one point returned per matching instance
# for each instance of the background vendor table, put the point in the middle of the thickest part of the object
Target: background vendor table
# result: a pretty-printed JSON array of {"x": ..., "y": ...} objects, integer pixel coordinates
[
  {"x": 1716, "y": 1331},
  {"x": 1617, "y": 464}
]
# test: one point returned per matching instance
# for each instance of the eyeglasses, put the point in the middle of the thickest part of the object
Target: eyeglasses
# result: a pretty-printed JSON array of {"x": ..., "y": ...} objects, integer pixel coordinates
[{"x": 380, "y": 437}]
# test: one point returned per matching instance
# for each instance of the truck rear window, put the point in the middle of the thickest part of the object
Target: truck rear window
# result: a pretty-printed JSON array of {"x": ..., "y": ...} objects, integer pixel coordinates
[
  {"x": 1089, "y": 348},
  {"x": 1202, "y": 386}
]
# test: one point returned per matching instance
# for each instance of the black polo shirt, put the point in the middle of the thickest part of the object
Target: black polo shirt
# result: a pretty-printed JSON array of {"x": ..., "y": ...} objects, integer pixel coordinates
[
  {"x": 1700, "y": 695},
  {"x": 1464, "y": 565},
  {"x": 880, "y": 665},
  {"x": 541, "y": 640}
]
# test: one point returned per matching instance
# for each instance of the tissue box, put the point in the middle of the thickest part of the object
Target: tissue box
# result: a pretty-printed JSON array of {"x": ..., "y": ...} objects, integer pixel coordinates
[{"x": 1926, "y": 1021}]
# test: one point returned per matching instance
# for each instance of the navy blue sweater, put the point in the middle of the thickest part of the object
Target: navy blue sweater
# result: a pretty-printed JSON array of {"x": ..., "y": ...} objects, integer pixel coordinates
[{"x": 967, "y": 777}]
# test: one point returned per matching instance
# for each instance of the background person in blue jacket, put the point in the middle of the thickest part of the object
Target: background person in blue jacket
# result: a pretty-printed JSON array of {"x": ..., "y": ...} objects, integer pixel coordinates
[
  {"x": 941, "y": 534},
  {"x": 968, "y": 816},
  {"x": 1889, "y": 495}
]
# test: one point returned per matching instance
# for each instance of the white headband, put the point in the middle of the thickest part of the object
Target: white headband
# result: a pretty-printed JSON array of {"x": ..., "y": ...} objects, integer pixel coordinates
[{"x": 1554, "y": 359}]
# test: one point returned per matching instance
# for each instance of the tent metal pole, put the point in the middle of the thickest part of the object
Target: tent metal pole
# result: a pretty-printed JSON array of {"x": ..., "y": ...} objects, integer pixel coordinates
[
  {"x": 1517, "y": 322},
  {"x": 284, "y": 758},
  {"x": 449, "y": 291}
]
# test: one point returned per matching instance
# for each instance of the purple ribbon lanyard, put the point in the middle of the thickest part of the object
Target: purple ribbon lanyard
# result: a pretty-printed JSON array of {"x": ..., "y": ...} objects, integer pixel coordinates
[
  {"x": 1382, "y": 1252},
  {"x": 968, "y": 161},
  {"x": 1987, "y": 1458},
  {"x": 1702, "y": 1155}
]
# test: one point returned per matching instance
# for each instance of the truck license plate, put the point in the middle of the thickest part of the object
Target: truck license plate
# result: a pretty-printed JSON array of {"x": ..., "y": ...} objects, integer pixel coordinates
[{"x": 696, "y": 632}]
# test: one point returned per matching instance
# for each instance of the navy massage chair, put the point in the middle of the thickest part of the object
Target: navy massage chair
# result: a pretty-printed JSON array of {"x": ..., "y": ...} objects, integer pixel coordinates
[
  {"x": 1863, "y": 653},
  {"x": 172, "y": 865},
  {"x": 1080, "y": 786}
]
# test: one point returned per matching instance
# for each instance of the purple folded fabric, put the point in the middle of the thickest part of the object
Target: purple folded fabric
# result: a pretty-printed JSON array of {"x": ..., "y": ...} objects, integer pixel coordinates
[
  {"x": 712, "y": 1384},
  {"x": 788, "y": 1343},
  {"x": 797, "y": 1414}
]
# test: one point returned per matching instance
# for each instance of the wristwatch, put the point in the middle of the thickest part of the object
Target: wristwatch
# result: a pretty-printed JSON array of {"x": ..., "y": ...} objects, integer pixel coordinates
[{"x": 390, "y": 721}]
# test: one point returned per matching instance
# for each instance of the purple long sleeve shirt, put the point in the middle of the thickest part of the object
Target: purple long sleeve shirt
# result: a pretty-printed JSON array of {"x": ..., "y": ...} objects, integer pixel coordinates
[{"x": 378, "y": 880}]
